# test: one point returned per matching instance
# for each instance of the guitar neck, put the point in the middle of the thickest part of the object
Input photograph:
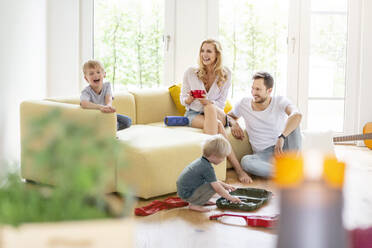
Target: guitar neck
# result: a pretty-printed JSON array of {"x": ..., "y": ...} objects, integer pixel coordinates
[{"x": 353, "y": 137}]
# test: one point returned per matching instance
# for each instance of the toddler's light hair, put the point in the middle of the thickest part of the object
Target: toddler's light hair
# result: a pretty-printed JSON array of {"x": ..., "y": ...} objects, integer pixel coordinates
[
  {"x": 92, "y": 64},
  {"x": 216, "y": 145}
]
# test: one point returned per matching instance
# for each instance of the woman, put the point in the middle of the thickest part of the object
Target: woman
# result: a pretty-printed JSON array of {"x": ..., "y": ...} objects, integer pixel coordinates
[{"x": 207, "y": 112}]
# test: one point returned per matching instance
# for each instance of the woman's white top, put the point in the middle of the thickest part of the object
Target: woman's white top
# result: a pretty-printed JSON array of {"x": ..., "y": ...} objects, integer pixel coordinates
[{"x": 217, "y": 95}]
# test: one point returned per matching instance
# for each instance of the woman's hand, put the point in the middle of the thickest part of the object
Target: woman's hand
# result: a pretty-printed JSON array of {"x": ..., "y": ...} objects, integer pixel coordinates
[
  {"x": 204, "y": 101},
  {"x": 189, "y": 99}
]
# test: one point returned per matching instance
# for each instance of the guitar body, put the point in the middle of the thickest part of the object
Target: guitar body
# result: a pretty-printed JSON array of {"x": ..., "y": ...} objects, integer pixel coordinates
[
  {"x": 366, "y": 136},
  {"x": 368, "y": 129}
]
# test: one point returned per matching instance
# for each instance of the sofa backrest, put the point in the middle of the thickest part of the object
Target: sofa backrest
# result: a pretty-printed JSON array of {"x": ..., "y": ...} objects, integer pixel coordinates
[
  {"x": 152, "y": 105},
  {"x": 123, "y": 102},
  {"x": 70, "y": 99}
]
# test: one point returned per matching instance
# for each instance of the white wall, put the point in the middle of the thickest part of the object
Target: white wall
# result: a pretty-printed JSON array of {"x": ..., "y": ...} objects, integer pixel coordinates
[
  {"x": 365, "y": 103},
  {"x": 39, "y": 47},
  {"x": 195, "y": 22},
  {"x": 63, "y": 69},
  {"x": 22, "y": 65}
]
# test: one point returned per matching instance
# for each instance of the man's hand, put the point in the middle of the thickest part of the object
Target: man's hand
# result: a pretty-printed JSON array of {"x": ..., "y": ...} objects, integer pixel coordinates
[
  {"x": 237, "y": 131},
  {"x": 278, "y": 149},
  {"x": 107, "y": 109}
]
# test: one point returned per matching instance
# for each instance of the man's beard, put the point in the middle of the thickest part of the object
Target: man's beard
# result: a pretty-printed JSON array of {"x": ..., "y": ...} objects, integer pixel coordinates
[{"x": 260, "y": 100}]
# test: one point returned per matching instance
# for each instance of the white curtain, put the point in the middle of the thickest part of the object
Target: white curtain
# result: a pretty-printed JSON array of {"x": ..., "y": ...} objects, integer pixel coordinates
[{"x": 22, "y": 67}]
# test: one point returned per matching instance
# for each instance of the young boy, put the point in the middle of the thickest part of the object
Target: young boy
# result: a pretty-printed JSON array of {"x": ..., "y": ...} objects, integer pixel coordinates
[
  {"x": 198, "y": 183},
  {"x": 98, "y": 95}
]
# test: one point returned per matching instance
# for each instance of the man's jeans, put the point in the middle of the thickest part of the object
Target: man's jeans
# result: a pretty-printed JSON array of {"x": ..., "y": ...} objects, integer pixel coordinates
[
  {"x": 123, "y": 122},
  {"x": 259, "y": 163}
]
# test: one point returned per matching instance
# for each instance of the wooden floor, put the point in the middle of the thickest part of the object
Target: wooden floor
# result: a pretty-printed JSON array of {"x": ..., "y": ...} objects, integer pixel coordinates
[{"x": 181, "y": 227}]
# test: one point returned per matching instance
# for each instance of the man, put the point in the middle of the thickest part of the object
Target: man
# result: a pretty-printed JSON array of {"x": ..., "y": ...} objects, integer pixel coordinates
[{"x": 272, "y": 124}]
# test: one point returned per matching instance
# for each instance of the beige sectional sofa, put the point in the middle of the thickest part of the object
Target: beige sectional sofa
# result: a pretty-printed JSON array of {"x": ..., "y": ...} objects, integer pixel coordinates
[{"x": 156, "y": 154}]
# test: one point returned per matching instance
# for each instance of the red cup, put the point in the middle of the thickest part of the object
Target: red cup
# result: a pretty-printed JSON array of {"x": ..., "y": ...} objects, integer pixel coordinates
[{"x": 198, "y": 93}]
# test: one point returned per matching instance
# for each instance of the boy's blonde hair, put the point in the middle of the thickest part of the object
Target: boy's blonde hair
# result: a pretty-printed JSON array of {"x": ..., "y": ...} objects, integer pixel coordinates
[
  {"x": 92, "y": 64},
  {"x": 216, "y": 145}
]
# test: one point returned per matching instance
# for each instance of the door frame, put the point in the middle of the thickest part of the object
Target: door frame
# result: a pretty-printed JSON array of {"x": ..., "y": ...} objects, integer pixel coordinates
[{"x": 298, "y": 60}]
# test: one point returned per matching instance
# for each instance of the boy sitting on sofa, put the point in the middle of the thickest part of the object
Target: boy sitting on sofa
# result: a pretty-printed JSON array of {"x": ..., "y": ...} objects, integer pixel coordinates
[
  {"x": 198, "y": 183},
  {"x": 98, "y": 95}
]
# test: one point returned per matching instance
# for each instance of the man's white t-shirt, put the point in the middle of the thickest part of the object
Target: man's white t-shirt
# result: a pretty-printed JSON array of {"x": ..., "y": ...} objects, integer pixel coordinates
[{"x": 263, "y": 127}]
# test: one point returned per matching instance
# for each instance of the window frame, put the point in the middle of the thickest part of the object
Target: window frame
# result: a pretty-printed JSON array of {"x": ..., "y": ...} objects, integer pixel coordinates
[
  {"x": 298, "y": 61},
  {"x": 86, "y": 37}
]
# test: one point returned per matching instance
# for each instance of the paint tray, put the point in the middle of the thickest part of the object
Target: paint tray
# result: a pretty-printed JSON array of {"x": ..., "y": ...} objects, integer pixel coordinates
[{"x": 252, "y": 199}]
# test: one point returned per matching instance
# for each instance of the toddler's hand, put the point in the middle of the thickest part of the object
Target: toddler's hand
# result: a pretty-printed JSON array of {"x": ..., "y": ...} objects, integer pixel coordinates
[
  {"x": 229, "y": 187},
  {"x": 234, "y": 199}
]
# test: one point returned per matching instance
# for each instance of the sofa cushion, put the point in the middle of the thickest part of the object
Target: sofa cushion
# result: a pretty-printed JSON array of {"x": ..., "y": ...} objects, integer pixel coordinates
[
  {"x": 156, "y": 157},
  {"x": 152, "y": 105},
  {"x": 240, "y": 147},
  {"x": 175, "y": 91},
  {"x": 228, "y": 107}
]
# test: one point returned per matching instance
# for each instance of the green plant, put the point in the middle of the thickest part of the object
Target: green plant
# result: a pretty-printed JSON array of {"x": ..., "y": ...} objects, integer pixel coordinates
[{"x": 78, "y": 163}]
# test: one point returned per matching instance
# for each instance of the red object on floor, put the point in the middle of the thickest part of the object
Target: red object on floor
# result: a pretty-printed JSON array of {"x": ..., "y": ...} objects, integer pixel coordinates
[
  {"x": 252, "y": 220},
  {"x": 361, "y": 238},
  {"x": 155, "y": 206}
]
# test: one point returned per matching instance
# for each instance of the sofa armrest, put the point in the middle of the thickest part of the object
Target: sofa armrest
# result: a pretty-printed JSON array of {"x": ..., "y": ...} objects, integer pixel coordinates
[
  {"x": 103, "y": 124},
  {"x": 125, "y": 104}
]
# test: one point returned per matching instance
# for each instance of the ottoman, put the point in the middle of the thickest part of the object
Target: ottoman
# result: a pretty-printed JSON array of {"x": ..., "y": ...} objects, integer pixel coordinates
[{"x": 156, "y": 156}]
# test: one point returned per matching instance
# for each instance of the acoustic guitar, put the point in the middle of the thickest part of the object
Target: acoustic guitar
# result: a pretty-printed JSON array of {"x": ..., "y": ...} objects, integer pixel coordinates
[{"x": 366, "y": 136}]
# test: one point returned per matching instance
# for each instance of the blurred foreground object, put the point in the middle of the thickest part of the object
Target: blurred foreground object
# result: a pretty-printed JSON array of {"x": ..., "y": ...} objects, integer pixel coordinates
[
  {"x": 76, "y": 162},
  {"x": 311, "y": 201},
  {"x": 361, "y": 238}
]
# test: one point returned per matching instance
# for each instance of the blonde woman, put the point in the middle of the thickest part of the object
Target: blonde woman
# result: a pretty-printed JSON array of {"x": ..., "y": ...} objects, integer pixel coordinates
[{"x": 207, "y": 112}]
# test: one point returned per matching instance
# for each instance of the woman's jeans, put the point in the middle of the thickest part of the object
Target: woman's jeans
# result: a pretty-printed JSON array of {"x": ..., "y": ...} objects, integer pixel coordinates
[{"x": 259, "y": 163}]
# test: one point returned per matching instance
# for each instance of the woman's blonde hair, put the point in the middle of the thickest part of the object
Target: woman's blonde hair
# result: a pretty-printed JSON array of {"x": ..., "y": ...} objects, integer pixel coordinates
[
  {"x": 216, "y": 145},
  {"x": 218, "y": 66}
]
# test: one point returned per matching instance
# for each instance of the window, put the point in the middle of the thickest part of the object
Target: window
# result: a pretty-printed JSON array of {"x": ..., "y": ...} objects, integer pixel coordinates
[
  {"x": 128, "y": 40},
  {"x": 254, "y": 34},
  {"x": 327, "y": 65},
  {"x": 302, "y": 43}
]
